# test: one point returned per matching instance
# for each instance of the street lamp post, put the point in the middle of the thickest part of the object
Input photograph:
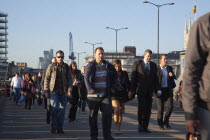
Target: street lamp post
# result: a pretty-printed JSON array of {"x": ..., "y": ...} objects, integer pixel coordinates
[
  {"x": 78, "y": 57},
  {"x": 93, "y": 46},
  {"x": 158, "y": 6},
  {"x": 116, "y": 30}
]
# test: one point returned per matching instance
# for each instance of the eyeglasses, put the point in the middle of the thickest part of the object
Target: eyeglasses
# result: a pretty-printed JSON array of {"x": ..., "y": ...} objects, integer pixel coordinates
[{"x": 60, "y": 56}]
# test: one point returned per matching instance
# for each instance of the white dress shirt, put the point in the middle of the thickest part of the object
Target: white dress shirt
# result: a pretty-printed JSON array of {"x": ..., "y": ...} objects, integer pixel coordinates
[{"x": 16, "y": 82}]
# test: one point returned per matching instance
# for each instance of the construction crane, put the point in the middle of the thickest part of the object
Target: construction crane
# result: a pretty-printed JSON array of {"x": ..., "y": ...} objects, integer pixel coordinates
[{"x": 71, "y": 52}]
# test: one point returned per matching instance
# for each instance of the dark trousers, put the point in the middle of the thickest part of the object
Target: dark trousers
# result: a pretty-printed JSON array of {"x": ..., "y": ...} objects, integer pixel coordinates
[
  {"x": 82, "y": 104},
  {"x": 166, "y": 100},
  {"x": 144, "y": 109},
  {"x": 105, "y": 104},
  {"x": 73, "y": 103},
  {"x": 33, "y": 97},
  {"x": 39, "y": 97},
  {"x": 28, "y": 100},
  {"x": 73, "y": 108},
  {"x": 46, "y": 102},
  {"x": 48, "y": 117}
]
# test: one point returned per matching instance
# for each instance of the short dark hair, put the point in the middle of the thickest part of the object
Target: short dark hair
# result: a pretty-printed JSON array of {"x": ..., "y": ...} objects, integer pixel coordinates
[
  {"x": 147, "y": 51},
  {"x": 99, "y": 48},
  {"x": 59, "y": 51},
  {"x": 117, "y": 62},
  {"x": 17, "y": 73},
  {"x": 160, "y": 57}
]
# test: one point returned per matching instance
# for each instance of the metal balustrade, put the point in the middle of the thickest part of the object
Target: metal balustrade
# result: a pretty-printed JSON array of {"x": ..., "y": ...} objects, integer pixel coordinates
[
  {"x": 3, "y": 58},
  {"x": 3, "y": 52},
  {"x": 3, "y": 46}
]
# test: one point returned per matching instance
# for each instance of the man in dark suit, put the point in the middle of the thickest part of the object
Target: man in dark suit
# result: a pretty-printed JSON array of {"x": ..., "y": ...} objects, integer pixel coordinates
[
  {"x": 144, "y": 83},
  {"x": 165, "y": 92}
]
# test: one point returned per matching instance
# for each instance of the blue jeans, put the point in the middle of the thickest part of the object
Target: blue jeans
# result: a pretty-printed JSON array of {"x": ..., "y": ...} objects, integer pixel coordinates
[
  {"x": 58, "y": 106},
  {"x": 16, "y": 94}
]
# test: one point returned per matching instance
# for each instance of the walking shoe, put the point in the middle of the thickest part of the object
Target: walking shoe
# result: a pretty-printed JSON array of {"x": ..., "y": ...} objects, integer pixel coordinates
[
  {"x": 140, "y": 129},
  {"x": 167, "y": 126},
  {"x": 70, "y": 120},
  {"x": 117, "y": 132},
  {"x": 53, "y": 130},
  {"x": 48, "y": 121},
  {"x": 108, "y": 138},
  {"x": 60, "y": 131},
  {"x": 146, "y": 131},
  {"x": 161, "y": 127},
  {"x": 94, "y": 138}
]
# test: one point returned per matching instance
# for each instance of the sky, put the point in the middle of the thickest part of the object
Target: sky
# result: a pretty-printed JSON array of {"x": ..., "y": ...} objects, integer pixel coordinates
[{"x": 38, "y": 25}]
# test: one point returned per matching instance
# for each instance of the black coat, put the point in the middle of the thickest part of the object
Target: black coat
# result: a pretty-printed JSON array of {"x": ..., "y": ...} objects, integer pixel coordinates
[
  {"x": 38, "y": 82},
  {"x": 123, "y": 85},
  {"x": 79, "y": 92},
  {"x": 141, "y": 82}
]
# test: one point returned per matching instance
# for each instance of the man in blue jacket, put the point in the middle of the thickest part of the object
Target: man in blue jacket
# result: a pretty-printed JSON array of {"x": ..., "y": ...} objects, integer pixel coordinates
[{"x": 100, "y": 80}]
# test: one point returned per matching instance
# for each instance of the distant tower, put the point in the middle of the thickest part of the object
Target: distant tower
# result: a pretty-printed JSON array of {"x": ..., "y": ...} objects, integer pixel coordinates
[
  {"x": 186, "y": 33},
  {"x": 47, "y": 59},
  {"x": 71, "y": 51},
  {"x": 51, "y": 53},
  {"x": 41, "y": 62}
]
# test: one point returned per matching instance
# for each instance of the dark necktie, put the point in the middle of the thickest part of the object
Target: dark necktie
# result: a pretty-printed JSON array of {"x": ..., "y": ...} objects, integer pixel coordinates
[{"x": 147, "y": 68}]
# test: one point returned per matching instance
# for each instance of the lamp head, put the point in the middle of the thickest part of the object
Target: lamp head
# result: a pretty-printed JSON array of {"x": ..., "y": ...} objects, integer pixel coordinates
[{"x": 171, "y": 3}]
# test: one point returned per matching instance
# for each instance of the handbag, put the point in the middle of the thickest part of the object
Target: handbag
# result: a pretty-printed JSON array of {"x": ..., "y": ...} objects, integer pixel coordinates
[
  {"x": 173, "y": 84},
  {"x": 21, "y": 99},
  {"x": 132, "y": 97},
  {"x": 33, "y": 90}
]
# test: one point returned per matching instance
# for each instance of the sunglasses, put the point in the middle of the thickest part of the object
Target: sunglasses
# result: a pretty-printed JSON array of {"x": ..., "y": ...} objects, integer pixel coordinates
[{"x": 60, "y": 56}]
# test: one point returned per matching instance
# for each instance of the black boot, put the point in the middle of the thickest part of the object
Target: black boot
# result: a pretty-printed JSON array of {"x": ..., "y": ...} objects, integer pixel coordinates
[{"x": 60, "y": 131}]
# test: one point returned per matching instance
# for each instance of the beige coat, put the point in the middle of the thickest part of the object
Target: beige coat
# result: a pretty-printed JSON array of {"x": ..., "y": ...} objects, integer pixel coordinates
[{"x": 50, "y": 77}]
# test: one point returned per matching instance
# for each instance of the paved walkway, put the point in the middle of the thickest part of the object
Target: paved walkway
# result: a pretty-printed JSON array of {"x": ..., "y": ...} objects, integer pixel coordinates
[{"x": 18, "y": 123}]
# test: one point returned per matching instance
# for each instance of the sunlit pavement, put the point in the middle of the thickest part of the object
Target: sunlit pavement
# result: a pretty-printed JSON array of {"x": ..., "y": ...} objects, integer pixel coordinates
[{"x": 19, "y": 123}]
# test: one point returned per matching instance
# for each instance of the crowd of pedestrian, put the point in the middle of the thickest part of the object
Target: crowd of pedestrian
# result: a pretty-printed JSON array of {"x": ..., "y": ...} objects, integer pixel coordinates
[
  {"x": 106, "y": 87},
  {"x": 103, "y": 86}
]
